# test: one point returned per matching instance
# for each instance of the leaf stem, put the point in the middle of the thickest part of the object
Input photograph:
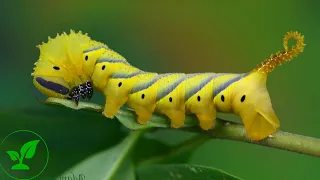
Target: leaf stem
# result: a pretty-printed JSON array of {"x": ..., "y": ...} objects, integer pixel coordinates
[
  {"x": 279, "y": 140},
  {"x": 131, "y": 140},
  {"x": 223, "y": 129}
]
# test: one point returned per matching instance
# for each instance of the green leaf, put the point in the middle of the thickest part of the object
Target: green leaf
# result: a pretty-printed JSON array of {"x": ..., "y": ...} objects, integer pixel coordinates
[
  {"x": 105, "y": 133},
  {"x": 13, "y": 155},
  {"x": 105, "y": 164},
  {"x": 72, "y": 105},
  {"x": 125, "y": 116},
  {"x": 147, "y": 149},
  {"x": 126, "y": 171},
  {"x": 29, "y": 149},
  {"x": 159, "y": 152},
  {"x": 182, "y": 171}
]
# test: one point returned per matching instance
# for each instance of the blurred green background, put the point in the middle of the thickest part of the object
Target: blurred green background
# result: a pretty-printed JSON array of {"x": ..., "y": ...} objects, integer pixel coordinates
[{"x": 215, "y": 36}]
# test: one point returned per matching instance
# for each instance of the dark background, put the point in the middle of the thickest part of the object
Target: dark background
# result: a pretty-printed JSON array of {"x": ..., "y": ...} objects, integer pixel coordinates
[{"x": 220, "y": 36}]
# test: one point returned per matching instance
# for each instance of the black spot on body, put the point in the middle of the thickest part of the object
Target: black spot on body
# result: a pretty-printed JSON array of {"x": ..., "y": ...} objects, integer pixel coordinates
[
  {"x": 86, "y": 58},
  {"x": 170, "y": 99},
  {"x": 222, "y": 98},
  {"x": 103, "y": 67},
  {"x": 198, "y": 98},
  {"x": 56, "y": 67},
  {"x": 243, "y": 98},
  {"x": 142, "y": 96},
  {"x": 120, "y": 83}
]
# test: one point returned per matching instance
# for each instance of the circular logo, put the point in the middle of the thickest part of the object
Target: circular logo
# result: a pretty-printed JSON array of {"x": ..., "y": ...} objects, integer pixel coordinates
[{"x": 23, "y": 155}]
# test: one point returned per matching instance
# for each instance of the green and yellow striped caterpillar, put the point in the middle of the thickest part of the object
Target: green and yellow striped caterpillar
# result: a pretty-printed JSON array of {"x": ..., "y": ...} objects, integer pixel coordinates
[{"x": 69, "y": 65}]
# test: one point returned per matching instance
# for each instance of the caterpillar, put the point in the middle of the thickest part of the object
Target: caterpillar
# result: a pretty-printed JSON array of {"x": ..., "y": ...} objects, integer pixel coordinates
[{"x": 70, "y": 65}]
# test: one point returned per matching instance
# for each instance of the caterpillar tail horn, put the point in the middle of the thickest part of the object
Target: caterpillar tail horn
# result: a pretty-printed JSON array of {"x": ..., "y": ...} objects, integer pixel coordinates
[
  {"x": 256, "y": 110},
  {"x": 281, "y": 57}
]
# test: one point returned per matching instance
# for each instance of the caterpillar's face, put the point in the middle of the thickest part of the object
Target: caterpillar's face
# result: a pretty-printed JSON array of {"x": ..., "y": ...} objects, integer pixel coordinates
[
  {"x": 249, "y": 98},
  {"x": 59, "y": 70}
]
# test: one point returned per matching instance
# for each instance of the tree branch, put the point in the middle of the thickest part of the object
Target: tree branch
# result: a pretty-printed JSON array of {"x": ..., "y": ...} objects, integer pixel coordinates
[
  {"x": 223, "y": 129},
  {"x": 280, "y": 140}
]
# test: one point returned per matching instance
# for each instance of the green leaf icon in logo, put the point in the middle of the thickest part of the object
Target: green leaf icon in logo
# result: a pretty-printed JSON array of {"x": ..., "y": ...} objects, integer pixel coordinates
[{"x": 27, "y": 151}]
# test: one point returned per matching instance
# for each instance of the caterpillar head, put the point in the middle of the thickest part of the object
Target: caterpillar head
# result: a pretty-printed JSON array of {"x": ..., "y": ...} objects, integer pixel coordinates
[
  {"x": 250, "y": 99},
  {"x": 59, "y": 70}
]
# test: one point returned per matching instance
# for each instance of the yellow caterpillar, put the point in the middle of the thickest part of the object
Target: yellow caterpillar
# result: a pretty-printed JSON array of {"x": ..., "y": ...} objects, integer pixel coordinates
[{"x": 69, "y": 64}]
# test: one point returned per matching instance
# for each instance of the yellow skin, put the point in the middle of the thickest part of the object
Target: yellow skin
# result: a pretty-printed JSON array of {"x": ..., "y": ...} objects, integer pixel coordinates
[{"x": 177, "y": 94}]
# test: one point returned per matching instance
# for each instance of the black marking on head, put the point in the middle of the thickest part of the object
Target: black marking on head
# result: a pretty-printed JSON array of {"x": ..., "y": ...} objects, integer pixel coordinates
[
  {"x": 56, "y": 68},
  {"x": 222, "y": 98},
  {"x": 58, "y": 88},
  {"x": 170, "y": 99},
  {"x": 103, "y": 67},
  {"x": 86, "y": 58},
  {"x": 120, "y": 83},
  {"x": 198, "y": 98},
  {"x": 243, "y": 98},
  {"x": 142, "y": 96}
]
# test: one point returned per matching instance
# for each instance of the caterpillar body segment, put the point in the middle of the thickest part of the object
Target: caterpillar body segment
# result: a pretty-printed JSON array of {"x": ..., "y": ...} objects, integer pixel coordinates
[
  {"x": 171, "y": 94},
  {"x": 84, "y": 61},
  {"x": 89, "y": 63}
]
